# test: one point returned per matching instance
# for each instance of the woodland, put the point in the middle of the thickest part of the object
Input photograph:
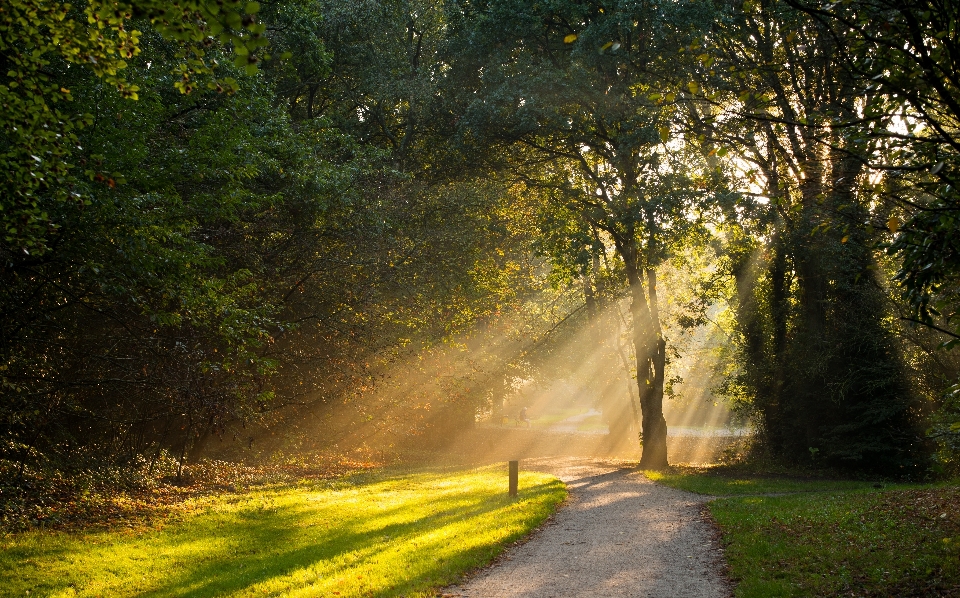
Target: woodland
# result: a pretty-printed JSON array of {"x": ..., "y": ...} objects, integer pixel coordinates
[{"x": 229, "y": 222}]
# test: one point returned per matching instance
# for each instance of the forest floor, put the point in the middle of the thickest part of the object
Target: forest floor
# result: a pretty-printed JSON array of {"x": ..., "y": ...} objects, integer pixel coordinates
[
  {"x": 57, "y": 503},
  {"x": 618, "y": 535}
]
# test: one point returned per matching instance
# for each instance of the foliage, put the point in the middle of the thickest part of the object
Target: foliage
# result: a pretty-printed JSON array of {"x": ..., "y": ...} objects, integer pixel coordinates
[
  {"x": 137, "y": 273},
  {"x": 387, "y": 535},
  {"x": 41, "y": 40},
  {"x": 253, "y": 255},
  {"x": 903, "y": 53},
  {"x": 813, "y": 321}
]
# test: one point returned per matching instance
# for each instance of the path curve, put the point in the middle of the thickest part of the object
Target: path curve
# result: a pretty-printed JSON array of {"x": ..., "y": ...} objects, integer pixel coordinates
[{"x": 618, "y": 535}]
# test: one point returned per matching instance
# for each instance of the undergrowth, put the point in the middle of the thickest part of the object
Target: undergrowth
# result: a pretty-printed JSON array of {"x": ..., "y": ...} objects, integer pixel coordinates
[{"x": 105, "y": 495}]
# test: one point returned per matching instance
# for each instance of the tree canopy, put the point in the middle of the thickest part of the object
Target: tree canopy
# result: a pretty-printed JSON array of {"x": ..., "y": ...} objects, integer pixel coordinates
[{"x": 222, "y": 216}]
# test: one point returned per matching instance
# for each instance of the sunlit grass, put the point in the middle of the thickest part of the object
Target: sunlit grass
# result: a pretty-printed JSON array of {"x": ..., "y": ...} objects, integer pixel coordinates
[{"x": 405, "y": 535}]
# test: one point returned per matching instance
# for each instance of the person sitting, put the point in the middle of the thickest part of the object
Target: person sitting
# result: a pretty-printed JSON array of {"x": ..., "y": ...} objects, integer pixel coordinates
[{"x": 523, "y": 417}]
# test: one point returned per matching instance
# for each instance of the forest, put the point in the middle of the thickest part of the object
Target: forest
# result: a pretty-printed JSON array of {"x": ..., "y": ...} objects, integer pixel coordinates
[{"x": 316, "y": 224}]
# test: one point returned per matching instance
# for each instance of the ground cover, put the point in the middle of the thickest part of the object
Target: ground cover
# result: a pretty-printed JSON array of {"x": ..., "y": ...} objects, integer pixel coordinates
[
  {"x": 106, "y": 497},
  {"x": 724, "y": 481},
  {"x": 361, "y": 535},
  {"x": 831, "y": 537},
  {"x": 594, "y": 423}
]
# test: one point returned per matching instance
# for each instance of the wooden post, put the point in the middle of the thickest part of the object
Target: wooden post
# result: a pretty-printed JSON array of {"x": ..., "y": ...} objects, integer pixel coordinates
[{"x": 514, "y": 474}]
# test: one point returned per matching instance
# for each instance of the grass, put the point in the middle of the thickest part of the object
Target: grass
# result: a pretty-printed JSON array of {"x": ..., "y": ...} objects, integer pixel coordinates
[
  {"x": 892, "y": 543},
  {"x": 107, "y": 496},
  {"x": 367, "y": 535},
  {"x": 831, "y": 537},
  {"x": 555, "y": 416},
  {"x": 715, "y": 481}
]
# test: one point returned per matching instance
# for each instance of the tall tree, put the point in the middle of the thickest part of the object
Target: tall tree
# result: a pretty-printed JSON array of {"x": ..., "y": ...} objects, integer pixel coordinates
[
  {"x": 830, "y": 380},
  {"x": 906, "y": 54},
  {"x": 561, "y": 88}
]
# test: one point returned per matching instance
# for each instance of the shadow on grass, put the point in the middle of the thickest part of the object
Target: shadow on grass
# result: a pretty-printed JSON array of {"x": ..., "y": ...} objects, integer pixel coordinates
[
  {"x": 285, "y": 552},
  {"x": 720, "y": 481},
  {"x": 382, "y": 539}
]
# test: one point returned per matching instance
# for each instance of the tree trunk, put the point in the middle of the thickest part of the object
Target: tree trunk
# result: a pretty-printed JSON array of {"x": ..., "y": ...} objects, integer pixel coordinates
[
  {"x": 779, "y": 312},
  {"x": 650, "y": 351}
]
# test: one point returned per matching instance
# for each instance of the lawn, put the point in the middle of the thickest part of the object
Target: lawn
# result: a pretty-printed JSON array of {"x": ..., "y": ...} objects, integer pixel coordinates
[
  {"x": 720, "y": 482},
  {"x": 367, "y": 535},
  {"x": 831, "y": 537},
  {"x": 881, "y": 543}
]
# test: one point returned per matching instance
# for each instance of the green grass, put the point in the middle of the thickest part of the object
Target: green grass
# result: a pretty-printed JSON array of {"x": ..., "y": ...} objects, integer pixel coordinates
[
  {"x": 831, "y": 537},
  {"x": 367, "y": 536},
  {"x": 892, "y": 543},
  {"x": 594, "y": 423},
  {"x": 718, "y": 482}
]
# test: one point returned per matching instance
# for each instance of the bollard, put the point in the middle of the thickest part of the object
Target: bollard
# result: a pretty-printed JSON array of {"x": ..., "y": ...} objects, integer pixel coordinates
[{"x": 514, "y": 473}]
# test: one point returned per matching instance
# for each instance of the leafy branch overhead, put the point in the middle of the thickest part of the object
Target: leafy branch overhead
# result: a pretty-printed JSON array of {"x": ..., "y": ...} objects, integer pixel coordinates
[{"x": 41, "y": 41}]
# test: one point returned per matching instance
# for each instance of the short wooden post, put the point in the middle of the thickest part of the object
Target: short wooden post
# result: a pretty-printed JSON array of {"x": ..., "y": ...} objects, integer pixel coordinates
[{"x": 514, "y": 474}]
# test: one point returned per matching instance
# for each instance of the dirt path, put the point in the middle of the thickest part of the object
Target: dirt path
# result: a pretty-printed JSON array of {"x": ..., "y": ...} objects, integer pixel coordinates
[{"x": 619, "y": 535}]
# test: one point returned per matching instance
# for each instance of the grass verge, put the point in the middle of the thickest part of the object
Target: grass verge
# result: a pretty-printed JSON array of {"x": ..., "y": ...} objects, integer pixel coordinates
[
  {"x": 832, "y": 537},
  {"x": 717, "y": 481},
  {"x": 363, "y": 535}
]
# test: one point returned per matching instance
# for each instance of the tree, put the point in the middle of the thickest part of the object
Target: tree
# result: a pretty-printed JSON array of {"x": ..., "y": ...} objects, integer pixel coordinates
[
  {"x": 39, "y": 40},
  {"x": 906, "y": 54},
  {"x": 255, "y": 262},
  {"x": 563, "y": 91},
  {"x": 828, "y": 378}
]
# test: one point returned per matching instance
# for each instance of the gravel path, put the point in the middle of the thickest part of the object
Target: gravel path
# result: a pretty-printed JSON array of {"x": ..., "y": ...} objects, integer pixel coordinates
[{"x": 618, "y": 535}]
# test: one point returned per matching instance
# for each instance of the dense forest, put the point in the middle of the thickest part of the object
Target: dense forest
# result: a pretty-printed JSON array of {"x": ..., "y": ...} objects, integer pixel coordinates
[{"x": 224, "y": 220}]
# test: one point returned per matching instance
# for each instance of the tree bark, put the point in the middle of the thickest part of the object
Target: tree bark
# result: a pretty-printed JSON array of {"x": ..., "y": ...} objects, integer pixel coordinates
[{"x": 650, "y": 351}]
